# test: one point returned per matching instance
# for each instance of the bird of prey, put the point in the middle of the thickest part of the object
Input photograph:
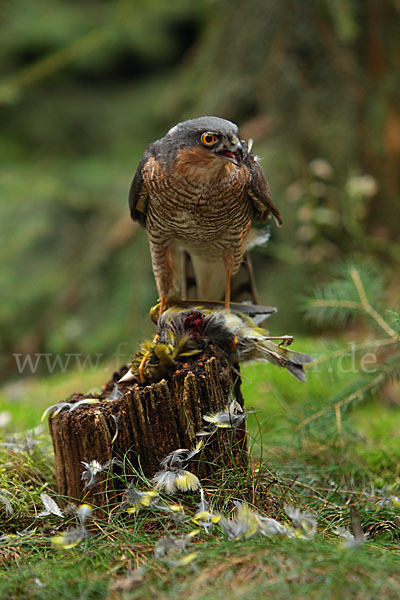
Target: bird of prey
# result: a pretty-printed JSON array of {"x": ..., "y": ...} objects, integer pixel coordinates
[{"x": 199, "y": 189}]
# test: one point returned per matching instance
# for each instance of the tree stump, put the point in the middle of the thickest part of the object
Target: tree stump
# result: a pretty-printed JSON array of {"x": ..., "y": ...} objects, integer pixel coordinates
[{"x": 144, "y": 425}]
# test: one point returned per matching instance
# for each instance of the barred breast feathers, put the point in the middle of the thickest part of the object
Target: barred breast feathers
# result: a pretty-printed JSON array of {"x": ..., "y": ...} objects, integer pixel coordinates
[{"x": 222, "y": 191}]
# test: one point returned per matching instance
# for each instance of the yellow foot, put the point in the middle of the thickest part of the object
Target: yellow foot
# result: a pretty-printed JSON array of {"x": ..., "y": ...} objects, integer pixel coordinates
[
  {"x": 235, "y": 343},
  {"x": 142, "y": 365},
  {"x": 163, "y": 304}
]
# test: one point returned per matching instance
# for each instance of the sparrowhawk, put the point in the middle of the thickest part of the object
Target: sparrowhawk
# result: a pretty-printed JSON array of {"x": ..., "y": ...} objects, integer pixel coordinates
[{"x": 199, "y": 189}]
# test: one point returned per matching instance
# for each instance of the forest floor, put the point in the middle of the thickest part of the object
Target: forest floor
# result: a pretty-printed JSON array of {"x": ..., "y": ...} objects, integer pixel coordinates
[{"x": 340, "y": 470}]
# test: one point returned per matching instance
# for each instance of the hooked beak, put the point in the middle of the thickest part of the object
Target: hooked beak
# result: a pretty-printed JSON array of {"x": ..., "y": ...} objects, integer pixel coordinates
[{"x": 232, "y": 151}]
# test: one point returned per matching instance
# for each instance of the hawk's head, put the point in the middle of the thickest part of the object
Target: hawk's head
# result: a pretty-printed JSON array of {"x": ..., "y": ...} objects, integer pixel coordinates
[{"x": 207, "y": 138}]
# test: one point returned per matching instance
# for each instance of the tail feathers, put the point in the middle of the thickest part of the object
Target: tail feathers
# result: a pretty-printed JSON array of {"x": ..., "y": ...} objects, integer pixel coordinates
[
  {"x": 290, "y": 360},
  {"x": 296, "y": 370}
]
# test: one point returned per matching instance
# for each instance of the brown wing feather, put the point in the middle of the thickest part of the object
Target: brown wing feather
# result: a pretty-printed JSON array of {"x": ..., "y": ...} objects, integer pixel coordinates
[
  {"x": 260, "y": 194},
  {"x": 138, "y": 196}
]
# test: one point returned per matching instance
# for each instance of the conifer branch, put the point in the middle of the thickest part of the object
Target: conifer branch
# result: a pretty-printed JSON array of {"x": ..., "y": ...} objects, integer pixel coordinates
[
  {"x": 355, "y": 347},
  {"x": 354, "y": 274},
  {"x": 338, "y": 405},
  {"x": 319, "y": 303}
]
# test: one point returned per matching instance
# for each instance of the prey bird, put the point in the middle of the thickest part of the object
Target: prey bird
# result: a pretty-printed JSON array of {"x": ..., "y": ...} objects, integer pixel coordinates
[
  {"x": 185, "y": 333},
  {"x": 197, "y": 192}
]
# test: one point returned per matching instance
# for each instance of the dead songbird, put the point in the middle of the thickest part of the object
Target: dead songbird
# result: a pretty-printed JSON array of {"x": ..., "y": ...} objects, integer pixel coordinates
[
  {"x": 258, "y": 313},
  {"x": 153, "y": 361},
  {"x": 184, "y": 333},
  {"x": 243, "y": 340}
]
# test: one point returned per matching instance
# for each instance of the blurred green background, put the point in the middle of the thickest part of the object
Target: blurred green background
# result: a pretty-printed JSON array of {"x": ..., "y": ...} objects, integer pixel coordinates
[{"x": 86, "y": 86}]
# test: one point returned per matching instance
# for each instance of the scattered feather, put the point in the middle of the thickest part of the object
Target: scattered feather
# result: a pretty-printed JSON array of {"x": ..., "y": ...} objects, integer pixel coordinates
[
  {"x": 21, "y": 444},
  {"x": 168, "y": 548},
  {"x": 226, "y": 420},
  {"x": 116, "y": 428},
  {"x": 73, "y": 536},
  {"x": 232, "y": 417},
  {"x": 198, "y": 448},
  {"x": 176, "y": 480},
  {"x": 187, "y": 481},
  {"x": 351, "y": 541},
  {"x": 248, "y": 522},
  {"x": 245, "y": 524},
  {"x": 167, "y": 545},
  {"x": 55, "y": 409},
  {"x": 165, "y": 481},
  {"x": 89, "y": 475},
  {"x": 184, "y": 560},
  {"x": 271, "y": 527},
  {"x": 305, "y": 523},
  {"x": 204, "y": 517},
  {"x": 389, "y": 500},
  {"x": 92, "y": 470},
  {"x": 84, "y": 511},
  {"x": 140, "y": 499},
  {"x": 69, "y": 539},
  {"x": 116, "y": 394},
  {"x": 175, "y": 459},
  {"x": 4, "y": 500},
  {"x": 51, "y": 507},
  {"x": 76, "y": 405},
  {"x": 179, "y": 458},
  {"x": 175, "y": 510}
]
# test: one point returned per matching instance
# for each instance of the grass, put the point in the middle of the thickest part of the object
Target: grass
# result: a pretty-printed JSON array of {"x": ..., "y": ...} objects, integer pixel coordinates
[{"x": 323, "y": 468}]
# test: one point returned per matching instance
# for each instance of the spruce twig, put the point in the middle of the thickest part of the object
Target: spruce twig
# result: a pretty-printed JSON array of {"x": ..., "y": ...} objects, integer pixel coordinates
[
  {"x": 355, "y": 347},
  {"x": 355, "y": 275},
  {"x": 334, "y": 296},
  {"x": 347, "y": 400}
]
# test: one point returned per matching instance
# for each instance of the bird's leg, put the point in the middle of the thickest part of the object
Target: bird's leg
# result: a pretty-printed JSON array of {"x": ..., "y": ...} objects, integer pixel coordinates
[
  {"x": 228, "y": 289},
  {"x": 228, "y": 272},
  {"x": 164, "y": 269},
  {"x": 286, "y": 340},
  {"x": 163, "y": 302},
  {"x": 184, "y": 286}
]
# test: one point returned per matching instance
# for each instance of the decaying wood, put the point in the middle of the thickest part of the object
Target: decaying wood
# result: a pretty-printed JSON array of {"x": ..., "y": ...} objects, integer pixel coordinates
[{"x": 146, "y": 424}]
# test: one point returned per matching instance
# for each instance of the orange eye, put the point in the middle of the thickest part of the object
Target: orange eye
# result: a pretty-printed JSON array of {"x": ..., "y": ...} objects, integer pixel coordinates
[{"x": 208, "y": 139}]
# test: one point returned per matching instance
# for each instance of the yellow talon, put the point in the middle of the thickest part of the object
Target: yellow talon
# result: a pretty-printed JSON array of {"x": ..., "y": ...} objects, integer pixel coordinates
[
  {"x": 235, "y": 342},
  {"x": 142, "y": 366}
]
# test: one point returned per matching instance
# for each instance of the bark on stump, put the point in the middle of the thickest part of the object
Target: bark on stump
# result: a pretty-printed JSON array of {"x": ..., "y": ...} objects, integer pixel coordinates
[{"x": 152, "y": 421}]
